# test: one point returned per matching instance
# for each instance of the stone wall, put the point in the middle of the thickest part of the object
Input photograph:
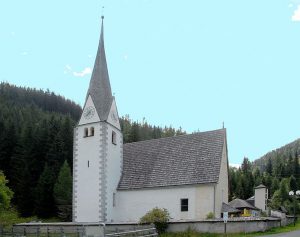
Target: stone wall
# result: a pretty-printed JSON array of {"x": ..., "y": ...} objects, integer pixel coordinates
[
  {"x": 232, "y": 226},
  {"x": 237, "y": 225}
]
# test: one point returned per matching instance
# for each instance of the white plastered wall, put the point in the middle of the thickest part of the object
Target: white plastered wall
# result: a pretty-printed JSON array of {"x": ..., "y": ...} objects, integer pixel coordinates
[
  {"x": 204, "y": 201},
  {"x": 113, "y": 169},
  {"x": 133, "y": 204},
  {"x": 260, "y": 198},
  {"x": 222, "y": 185},
  {"x": 86, "y": 175}
]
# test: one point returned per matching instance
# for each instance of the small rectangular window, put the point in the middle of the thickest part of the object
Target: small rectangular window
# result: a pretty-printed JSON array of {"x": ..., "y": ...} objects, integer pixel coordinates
[
  {"x": 184, "y": 204},
  {"x": 114, "y": 199},
  {"x": 114, "y": 138},
  {"x": 88, "y": 163}
]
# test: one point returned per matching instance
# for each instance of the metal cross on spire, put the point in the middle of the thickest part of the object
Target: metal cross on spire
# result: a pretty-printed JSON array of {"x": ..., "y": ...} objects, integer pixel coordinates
[{"x": 102, "y": 13}]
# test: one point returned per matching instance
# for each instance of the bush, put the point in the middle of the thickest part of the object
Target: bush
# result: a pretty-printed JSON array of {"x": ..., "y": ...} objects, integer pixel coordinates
[
  {"x": 158, "y": 217},
  {"x": 210, "y": 215},
  {"x": 5, "y": 193}
]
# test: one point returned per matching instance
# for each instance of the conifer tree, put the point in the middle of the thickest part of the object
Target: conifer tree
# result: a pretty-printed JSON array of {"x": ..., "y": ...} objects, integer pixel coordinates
[
  {"x": 269, "y": 167},
  {"x": 63, "y": 192},
  {"x": 20, "y": 173},
  {"x": 293, "y": 183},
  {"x": 44, "y": 202}
]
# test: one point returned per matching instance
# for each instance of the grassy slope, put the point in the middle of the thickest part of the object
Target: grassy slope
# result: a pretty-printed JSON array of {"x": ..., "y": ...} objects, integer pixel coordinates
[{"x": 10, "y": 217}]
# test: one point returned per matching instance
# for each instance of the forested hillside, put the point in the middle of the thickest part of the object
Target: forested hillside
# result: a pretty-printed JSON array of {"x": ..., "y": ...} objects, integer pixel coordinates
[
  {"x": 279, "y": 158},
  {"x": 36, "y": 147},
  {"x": 279, "y": 170}
]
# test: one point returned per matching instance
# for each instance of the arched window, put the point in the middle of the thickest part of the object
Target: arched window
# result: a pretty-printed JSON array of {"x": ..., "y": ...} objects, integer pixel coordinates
[
  {"x": 86, "y": 132},
  {"x": 92, "y": 131}
]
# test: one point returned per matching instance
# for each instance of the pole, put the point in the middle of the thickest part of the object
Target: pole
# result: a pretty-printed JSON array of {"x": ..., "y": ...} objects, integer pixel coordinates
[{"x": 294, "y": 210}]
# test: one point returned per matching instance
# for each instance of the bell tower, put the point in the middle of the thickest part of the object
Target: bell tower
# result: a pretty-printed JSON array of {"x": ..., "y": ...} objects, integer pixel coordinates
[{"x": 98, "y": 148}]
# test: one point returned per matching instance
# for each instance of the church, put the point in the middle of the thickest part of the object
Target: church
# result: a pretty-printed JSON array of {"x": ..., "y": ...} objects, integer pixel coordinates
[{"x": 115, "y": 182}]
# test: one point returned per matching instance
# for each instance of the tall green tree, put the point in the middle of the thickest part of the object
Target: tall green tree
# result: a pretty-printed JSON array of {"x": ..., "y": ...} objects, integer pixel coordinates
[
  {"x": 63, "y": 193},
  {"x": 44, "y": 202},
  {"x": 269, "y": 167},
  {"x": 20, "y": 172}
]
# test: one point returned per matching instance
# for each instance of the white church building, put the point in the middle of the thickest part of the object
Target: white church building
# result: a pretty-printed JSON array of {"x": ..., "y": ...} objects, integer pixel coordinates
[{"x": 116, "y": 182}]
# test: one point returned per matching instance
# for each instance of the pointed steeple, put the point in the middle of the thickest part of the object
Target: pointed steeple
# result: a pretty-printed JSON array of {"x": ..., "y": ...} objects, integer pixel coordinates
[{"x": 99, "y": 88}]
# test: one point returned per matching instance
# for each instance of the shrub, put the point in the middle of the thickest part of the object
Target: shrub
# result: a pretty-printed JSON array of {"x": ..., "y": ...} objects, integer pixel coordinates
[
  {"x": 158, "y": 217},
  {"x": 5, "y": 193},
  {"x": 210, "y": 215}
]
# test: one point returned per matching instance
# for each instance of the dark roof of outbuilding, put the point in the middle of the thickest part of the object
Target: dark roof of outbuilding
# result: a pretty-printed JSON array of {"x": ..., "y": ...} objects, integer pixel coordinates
[
  {"x": 260, "y": 186},
  {"x": 179, "y": 160},
  {"x": 229, "y": 209},
  {"x": 239, "y": 203},
  {"x": 99, "y": 88}
]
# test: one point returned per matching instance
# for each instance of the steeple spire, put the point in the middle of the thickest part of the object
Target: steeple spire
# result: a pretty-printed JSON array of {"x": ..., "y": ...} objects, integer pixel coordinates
[{"x": 99, "y": 88}]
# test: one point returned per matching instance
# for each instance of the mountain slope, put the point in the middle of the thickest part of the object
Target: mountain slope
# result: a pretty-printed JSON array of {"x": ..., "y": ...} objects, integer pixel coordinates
[{"x": 283, "y": 153}]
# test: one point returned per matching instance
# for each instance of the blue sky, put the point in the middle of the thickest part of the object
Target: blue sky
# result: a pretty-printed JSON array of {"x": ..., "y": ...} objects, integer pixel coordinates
[{"x": 192, "y": 64}]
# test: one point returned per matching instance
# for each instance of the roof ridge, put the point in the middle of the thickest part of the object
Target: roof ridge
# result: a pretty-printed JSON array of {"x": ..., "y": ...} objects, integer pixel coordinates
[{"x": 176, "y": 136}]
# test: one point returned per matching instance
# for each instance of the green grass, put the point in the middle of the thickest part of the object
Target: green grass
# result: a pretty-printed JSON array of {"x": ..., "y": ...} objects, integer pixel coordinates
[
  {"x": 191, "y": 233},
  {"x": 10, "y": 217}
]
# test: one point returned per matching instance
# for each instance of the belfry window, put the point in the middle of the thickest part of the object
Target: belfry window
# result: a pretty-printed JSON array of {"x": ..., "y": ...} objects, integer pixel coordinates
[
  {"x": 86, "y": 132},
  {"x": 114, "y": 138},
  {"x": 92, "y": 131}
]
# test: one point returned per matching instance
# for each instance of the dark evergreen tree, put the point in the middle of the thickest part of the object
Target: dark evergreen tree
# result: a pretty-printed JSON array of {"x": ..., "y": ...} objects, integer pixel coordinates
[
  {"x": 44, "y": 202},
  {"x": 63, "y": 193},
  {"x": 134, "y": 133},
  {"x": 293, "y": 184},
  {"x": 269, "y": 168},
  {"x": 20, "y": 172},
  {"x": 7, "y": 146}
]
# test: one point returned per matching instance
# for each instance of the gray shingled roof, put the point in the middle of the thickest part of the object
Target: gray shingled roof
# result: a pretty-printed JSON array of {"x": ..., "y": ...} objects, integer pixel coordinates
[
  {"x": 99, "y": 88},
  {"x": 240, "y": 204},
  {"x": 229, "y": 209},
  {"x": 179, "y": 160}
]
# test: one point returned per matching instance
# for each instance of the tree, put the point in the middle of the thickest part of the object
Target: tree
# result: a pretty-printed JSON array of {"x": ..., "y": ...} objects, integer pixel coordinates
[
  {"x": 134, "y": 133},
  {"x": 20, "y": 172},
  {"x": 274, "y": 187},
  {"x": 293, "y": 183},
  {"x": 5, "y": 193},
  {"x": 257, "y": 177},
  {"x": 269, "y": 167},
  {"x": 281, "y": 196},
  {"x": 284, "y": 190},
  {"x": 63, "y": 192},
  {"x": 44, "y": 202}
]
